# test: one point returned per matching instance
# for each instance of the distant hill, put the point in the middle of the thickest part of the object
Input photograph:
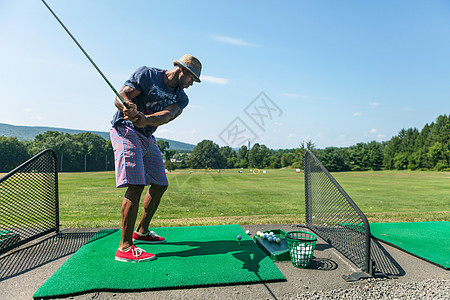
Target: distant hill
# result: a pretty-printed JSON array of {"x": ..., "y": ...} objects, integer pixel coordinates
[{"x": 29, "y": 132}]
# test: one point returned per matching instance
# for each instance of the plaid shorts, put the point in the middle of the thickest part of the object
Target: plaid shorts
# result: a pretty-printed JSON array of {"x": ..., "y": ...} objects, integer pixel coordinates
[{"x": 138, "y": 159}]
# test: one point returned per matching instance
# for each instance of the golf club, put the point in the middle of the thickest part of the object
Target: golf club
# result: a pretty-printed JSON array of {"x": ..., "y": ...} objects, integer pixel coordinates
[{"x": 88, "y": 57}]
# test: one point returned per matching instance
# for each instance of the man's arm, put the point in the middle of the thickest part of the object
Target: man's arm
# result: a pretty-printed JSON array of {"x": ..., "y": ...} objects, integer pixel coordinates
[
  {"x": 127, "y": 93},
  {"x": 159, "y": 118}
]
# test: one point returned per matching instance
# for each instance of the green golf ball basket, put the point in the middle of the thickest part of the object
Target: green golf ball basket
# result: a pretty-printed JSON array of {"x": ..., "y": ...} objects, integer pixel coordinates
[{"x": 301, "y": 247}]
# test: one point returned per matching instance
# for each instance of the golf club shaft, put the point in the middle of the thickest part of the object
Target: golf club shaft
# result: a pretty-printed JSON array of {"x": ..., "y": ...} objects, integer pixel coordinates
[{"x": 88, "y": 57}]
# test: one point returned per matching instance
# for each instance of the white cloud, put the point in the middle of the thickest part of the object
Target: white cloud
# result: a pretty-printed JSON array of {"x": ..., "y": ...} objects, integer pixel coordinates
[
  {"x": 193, "y": 131},
  {"x": 27, "y": 109},
  {"x": 164, "y": 130},
  {"x": 38, "y": 118},
  {"x": 373, "y": 130},
  {"x": 357, "y": 114},
  {"x": 374, "y": 103},
  {"x": 380, "y": 136},
  {"x": 232, "y": 41},
  {"x": 291, "y": 135},
  {"x": 406, "y": 109},
  {"x": 212, "y": 79}
]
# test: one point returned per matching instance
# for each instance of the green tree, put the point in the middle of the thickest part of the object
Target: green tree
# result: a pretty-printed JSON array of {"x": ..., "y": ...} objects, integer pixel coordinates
[
  {"x": 78, "y": 152},
  {"x": 183, "y": 157},
  {"x": 169, "y": 165},
  {"x": 12, "y": 153},
  {"x": 333, "y": 160},
  {"x": 301, "y": 151},
  {"x": 242, "y": 157},
  {"x": 162, "y": 145},
  {"x": 429, "y": 148},
  {"x": 109, "y": 153},
  {"x": 287, "y": 159},
  {"x": 375, "y": 155},
  {"x": 274, "y": 162},
  {"x": 436, "y": 153},
  {"x": 401, "y": 161},
  {"x": 259, "y": 156},
  {"x": 206, "y": 155},
  {"x": 61, "y": 143},
  {"x": 168, "y": 154},
  {"x": 230, "y": 156},
  {"x": 87, "y": 152},
  {"x": 359, "y": 158}
]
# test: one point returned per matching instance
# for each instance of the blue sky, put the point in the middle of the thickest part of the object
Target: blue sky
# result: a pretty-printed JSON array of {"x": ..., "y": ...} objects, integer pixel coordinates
[{"x": 277, "y": 73}]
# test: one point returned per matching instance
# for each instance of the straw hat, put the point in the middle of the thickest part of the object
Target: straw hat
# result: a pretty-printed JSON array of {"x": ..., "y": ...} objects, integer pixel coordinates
[{"x": 192, "y": 64}]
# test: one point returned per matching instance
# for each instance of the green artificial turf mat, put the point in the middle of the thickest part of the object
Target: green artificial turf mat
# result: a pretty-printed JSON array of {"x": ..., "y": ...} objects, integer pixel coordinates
[
  {"x": 428, "y": 240},
  {"x": 192, "y": 257}
]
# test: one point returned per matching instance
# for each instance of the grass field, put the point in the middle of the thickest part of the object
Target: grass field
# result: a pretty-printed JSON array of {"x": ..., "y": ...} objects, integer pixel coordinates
[{"x": 204, "y": 197}]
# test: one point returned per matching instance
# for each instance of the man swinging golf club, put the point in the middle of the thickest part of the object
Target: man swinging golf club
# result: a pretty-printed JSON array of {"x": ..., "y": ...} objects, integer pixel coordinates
[{"x": 155, "y": 97}]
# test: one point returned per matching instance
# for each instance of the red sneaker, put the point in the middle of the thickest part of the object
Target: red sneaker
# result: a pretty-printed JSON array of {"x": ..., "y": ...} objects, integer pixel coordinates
[
  {"x": 150, "y": 238},
  {"x": 134, "y": 254}
]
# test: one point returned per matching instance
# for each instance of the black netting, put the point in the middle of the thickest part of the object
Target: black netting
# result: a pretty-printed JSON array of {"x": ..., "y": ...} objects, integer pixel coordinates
[
  {"x": 333, "y": 215},
  {"x": 29, "y": 201}
]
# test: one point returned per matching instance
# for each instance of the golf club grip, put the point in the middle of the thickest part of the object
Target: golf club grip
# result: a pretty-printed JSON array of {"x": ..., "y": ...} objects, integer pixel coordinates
[{"x": 123, "y": 102}]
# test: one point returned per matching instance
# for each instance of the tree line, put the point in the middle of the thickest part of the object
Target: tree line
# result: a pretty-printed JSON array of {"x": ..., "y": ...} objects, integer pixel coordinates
[
  {"x": 412, "y": 149},
  {"x": 428, "y": 149},
  {"x": 75, "y": 152}
]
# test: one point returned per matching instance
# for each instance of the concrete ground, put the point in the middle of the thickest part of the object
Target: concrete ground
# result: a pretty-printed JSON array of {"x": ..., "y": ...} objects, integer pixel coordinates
[{"x": 24, "y": 270}]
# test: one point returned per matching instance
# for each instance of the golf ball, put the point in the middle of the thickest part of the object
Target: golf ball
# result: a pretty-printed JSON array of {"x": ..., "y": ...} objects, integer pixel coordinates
[
  {"x": 278, "y": 240},
  {"x": 258, "y": 233},
  {"x": 247, "y": 232},
  {"x": 300, "y": 254},
  {"x": 239, "y": 237}
]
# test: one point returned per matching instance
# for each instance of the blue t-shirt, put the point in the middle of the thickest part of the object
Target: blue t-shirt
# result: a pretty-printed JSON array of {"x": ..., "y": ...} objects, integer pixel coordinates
[{"x": 154, "y": 97}]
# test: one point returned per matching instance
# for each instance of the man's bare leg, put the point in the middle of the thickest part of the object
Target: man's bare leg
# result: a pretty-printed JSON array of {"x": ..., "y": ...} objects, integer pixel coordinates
[
  {"x": 130, "y": 206},
  {"x": 151, "y": 203}
]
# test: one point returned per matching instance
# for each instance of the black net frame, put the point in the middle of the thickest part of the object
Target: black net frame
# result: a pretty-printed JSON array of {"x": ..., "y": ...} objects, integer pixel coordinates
[
  {"x": 332, "y": 215},
  {"x": 29, "y": 206}
]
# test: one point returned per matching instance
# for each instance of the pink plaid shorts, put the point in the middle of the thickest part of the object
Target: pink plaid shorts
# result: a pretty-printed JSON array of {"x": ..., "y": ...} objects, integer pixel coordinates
[{"x": 138, "y": 160}]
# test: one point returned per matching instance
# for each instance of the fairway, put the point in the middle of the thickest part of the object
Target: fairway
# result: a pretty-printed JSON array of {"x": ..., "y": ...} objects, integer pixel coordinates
[{"x": 208, "y": 197}]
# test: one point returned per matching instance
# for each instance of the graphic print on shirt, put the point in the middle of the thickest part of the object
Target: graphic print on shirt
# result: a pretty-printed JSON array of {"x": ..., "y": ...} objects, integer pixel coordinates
[{"x": 162, "y": 99}]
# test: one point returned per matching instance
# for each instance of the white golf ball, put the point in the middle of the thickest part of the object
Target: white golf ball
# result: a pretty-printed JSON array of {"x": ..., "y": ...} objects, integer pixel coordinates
[
  {"x": 247, "y": 232},
  {"x": 278, "y": 240}
]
